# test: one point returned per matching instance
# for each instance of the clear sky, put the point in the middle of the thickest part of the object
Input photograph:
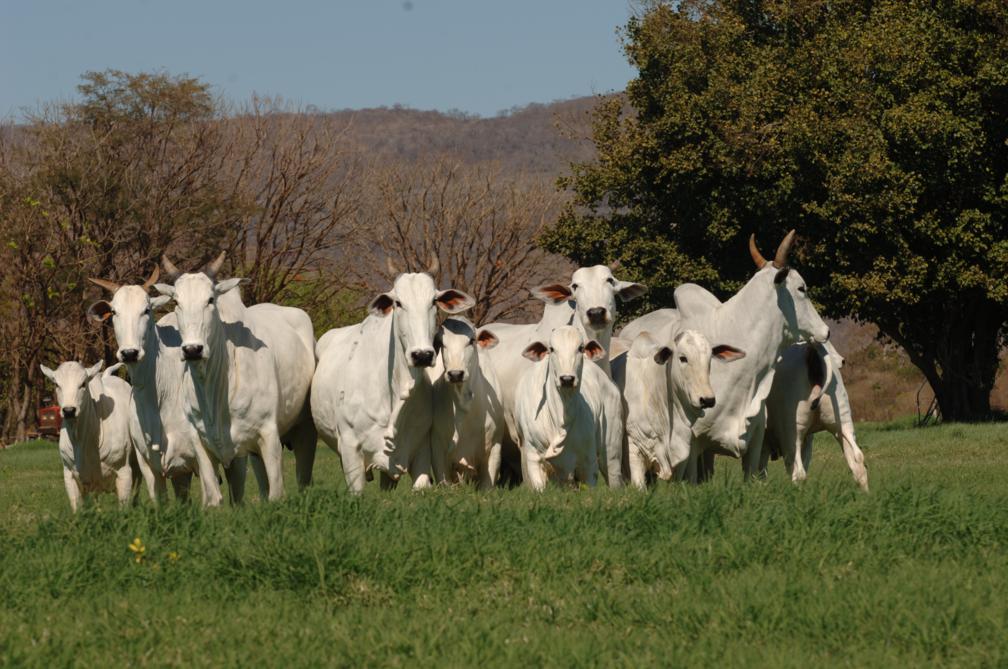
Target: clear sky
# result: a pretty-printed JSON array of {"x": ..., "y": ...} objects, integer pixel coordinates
[{"x": 478, "y": 56}]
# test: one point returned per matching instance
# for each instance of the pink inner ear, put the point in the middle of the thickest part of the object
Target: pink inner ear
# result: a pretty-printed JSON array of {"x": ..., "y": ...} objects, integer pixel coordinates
[
  {"x": 727, "y": 353},
  {"x": 594, "y": 350},
  {"x": 451, "y": 299},
  {"x": 486, "y": 339}
]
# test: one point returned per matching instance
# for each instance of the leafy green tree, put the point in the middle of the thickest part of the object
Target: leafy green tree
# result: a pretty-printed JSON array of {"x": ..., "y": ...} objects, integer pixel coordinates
[{"x": 876, "y": 129}]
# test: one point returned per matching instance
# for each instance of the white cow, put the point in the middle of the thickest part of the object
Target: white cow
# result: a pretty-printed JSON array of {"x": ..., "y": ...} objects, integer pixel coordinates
[
  {"x": 588, "y": 303},
  {"x": 94, "y": 442},
  {"x": 250, "y": 371},
  {"x": 770, "y": 313},
  {"x": 808, "y": 396},
  {"x": 667, "y": 388},
  {"x": 468, "y": 425},
  {"x": 371, "y": 396},
  {"x": 167, "y": 443},
  {"x": 567, "y": 412}
]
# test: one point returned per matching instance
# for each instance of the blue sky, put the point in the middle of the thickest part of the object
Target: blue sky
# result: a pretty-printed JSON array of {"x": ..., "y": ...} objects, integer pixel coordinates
[{"x": 475, "y": 55}]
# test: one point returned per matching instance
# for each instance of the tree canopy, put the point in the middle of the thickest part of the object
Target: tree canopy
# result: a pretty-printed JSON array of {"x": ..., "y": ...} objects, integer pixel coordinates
[{"x": 876, "y": 129}]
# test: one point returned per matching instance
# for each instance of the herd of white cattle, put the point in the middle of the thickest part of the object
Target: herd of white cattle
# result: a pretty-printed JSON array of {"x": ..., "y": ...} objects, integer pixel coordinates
[{"x": 214, "y": 383}]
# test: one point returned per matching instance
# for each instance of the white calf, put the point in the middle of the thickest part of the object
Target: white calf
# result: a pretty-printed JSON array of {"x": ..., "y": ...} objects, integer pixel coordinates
[
  {"x": 95, "y": 444},
  {"x": 567, "y": 412},
  {"x": 468, "y": 425}
]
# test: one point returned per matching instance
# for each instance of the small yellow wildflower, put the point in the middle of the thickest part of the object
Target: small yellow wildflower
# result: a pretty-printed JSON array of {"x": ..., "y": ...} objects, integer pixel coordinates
[
  {"x": 173, "y": 556},
  {"x": 138, "y": 550}
]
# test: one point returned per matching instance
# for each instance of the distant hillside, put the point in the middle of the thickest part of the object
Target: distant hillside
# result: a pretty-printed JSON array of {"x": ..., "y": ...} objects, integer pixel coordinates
[{"x": 536, "y": 140}]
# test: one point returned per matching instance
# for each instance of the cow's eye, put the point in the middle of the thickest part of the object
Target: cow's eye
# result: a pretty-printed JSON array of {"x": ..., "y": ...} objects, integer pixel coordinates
[
  {"x": 550, "y": 349},
  {"x": 574, "y": 286},
  {"x": 147, "y": 311},
  {"x": 210, "y": 301},
  {"x": 611, "y": 281},
  {"x": 398, "y": 304},
  {"x": 801, "y": 289},
  {"x": 581, "y": 348},
  {"x": 682, "y": 359}
]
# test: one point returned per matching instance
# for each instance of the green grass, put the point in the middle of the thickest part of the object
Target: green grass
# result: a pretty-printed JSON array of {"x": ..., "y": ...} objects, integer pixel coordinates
[{"x": 768, "y": 574}]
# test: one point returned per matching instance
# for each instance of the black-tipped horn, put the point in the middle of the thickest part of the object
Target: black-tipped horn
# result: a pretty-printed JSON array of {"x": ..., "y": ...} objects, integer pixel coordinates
[
  {"x": 780, "y": 260},
  {"x": 213, "y": 268},
  {"x": 171, "y": 271},
  {"x": 390, "y": 266},
  {"x": 435, "y": 266},
  {"x": 757, "y": 257}
]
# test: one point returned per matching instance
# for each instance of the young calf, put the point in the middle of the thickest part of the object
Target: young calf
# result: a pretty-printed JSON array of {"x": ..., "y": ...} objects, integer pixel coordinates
[
  {"x": 468, "y": 426},
  {"x": 666, "y": 388},
  {"x": 95, "y": 443},
  {"x": 567, "y": 412}
]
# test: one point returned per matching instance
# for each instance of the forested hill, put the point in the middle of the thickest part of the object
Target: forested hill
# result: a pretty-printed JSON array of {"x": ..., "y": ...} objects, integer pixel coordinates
[{"x": 538, "y": 139}]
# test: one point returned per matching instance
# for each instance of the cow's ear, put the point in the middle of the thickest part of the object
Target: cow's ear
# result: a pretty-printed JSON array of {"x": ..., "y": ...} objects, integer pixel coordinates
[
  {"x": 662, "y": 354},
  {"x": 535, "y": 351},
  {"x": 726, "y": 353},
  {"x": 628, "y": 290},
  {"x": 781, "y": 275},
  {"x": 224, "y": 286},
  {"x": 382, "y": 304},
  {"x": 99, "y": 311},
  {"x": 452, "y": 301},
  {"x": 553, "y": 293},
  {"x": 165, "y": 289},
  {"x": 486, "y": 339},
  {"x": 95, "y": 369},
  {"x": 593, "y": 350},
  {"x": 159, "y": 301},
  {"x": 49, "y": 374}
]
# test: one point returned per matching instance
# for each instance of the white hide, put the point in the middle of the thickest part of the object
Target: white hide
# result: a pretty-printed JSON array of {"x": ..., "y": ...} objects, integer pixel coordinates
[
  {"x": 371, "y": 396},
  {"x": 665, "y": 385},
  {"x": 562, "y": 429},
  {"x": 166, "y": 442},
  {"x": 94, "y": 444},
  {"x": 794, "y": 415},
  {"x": 771, "y": 312},
  {"x": 468, "y": 426},
  {"x": 250, "y": 380}
]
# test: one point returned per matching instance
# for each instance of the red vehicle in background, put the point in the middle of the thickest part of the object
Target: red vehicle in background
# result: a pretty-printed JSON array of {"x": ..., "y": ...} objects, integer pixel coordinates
[{"x": 49, "y": 419}]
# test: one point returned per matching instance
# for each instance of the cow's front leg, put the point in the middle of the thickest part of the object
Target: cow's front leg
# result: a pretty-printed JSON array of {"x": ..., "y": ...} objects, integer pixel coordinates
[
  {"x": 207, "y": 472},
  {"x": 638, "y": 467},
  {"x": 490, "y": 467},
  {"x": 533, "y": 468},
  {"x": 73, "y": 489},
  {"x": 124, "y": 484},
  {"x": 420, "y": 467},
  {"x": 235, "y": 474},
  {"x": 271, "y": 452}
]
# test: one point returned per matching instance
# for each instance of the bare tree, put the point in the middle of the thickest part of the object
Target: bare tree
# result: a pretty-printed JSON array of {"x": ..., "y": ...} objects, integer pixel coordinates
[{"x": 481, "y": 226}]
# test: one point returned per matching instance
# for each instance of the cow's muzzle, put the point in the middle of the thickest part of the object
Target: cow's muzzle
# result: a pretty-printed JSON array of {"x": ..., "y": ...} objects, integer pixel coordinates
[
  {"x": 192, "y": 351},
  {"x": 422, "y": 357},
  {"x": 69, "y": 412},
  {"x": 707, "y": 402},
  {"x": 455, "y": 376},
  {"x": 129, "y": 354},
  {"x": 598, "y": 315},
  {"x": 568, "y": 380}
]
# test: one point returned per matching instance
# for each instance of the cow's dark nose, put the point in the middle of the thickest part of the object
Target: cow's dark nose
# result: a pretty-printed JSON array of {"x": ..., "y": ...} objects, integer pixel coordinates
[
  {"x": 424, "y": 358},
  {"x": 129, "y": 355},
  {"x": 192, "y": 351},
  {"x": 597, "y": 315},
  {"x": 455, "y": 375},
  {"x": 69, "y": 412},
  {"x": 707, "y": 402},
  {"x": 567, "y": 381}
]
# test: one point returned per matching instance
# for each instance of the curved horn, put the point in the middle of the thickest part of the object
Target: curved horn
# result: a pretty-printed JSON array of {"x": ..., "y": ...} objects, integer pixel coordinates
[
  {"x": 780, "y": 260},
  {"x": 435, "y": 265},
  {"x": 390, "y": 266},
  {"x": 213, "y": 268},
  {"x": 153, "y": 278},
  {"x": 757, "y": 257},
  {"x": 170, "y": 269},
  {"x": 110, "y": 286}
]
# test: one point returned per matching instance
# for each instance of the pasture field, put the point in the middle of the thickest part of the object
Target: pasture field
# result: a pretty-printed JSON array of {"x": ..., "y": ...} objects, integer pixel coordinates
[{"x": 768, "y": 574}]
